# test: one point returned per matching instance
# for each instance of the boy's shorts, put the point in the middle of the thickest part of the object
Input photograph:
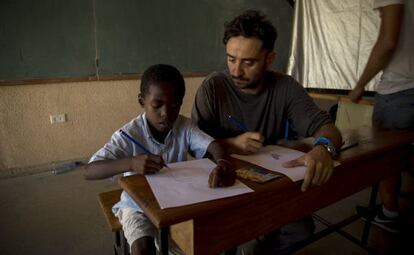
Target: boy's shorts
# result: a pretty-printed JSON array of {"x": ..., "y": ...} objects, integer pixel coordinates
[{"x": 137, "y": 225}]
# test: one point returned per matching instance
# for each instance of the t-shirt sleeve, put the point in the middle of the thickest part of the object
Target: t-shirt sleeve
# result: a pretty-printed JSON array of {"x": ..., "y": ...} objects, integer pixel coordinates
[
  {"x": 305, "y": 116},
  {"x": 116, "y": 148},
  {"x": 203, "y": 113},
  {"x": 198, "y": 140}
]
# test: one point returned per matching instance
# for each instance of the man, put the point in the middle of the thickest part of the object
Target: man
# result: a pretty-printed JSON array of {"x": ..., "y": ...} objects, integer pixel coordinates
[
  {"x": 260, "y": 101},
  {"x": 393, "y": 53}
]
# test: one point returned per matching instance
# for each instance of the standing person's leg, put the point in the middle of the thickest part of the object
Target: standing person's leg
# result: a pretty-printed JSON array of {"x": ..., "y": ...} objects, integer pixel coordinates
[
  {"x": 389, "y": 189},
  {"x": 392, "y": 111}
]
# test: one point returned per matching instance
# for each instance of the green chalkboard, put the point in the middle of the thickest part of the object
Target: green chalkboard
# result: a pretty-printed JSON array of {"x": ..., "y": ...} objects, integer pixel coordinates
[
  {"x": 46, "y": 39},
  {"x": 186, "y": 33},
  {"x": 81, "y": 38}
]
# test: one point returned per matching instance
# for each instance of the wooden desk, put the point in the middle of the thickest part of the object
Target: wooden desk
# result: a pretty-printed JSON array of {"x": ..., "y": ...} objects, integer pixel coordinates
[{"x": 219, "y": 225}]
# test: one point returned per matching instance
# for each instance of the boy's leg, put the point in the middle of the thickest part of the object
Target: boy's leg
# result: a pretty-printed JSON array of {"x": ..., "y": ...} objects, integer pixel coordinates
[
  {"x": 143, "y": 246},
  {"x": 141, "y": 234},
  {"x": 138, "y": 230}
]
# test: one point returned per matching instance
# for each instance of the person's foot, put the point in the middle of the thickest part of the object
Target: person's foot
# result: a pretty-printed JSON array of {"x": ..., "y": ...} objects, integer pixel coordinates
[{"x": 390, "y": 224}]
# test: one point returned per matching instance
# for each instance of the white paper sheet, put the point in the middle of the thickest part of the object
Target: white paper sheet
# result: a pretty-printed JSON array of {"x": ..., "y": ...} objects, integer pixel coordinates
[
  {"x": 272, "y": 157},
  {"x": 186, "y": 183}
]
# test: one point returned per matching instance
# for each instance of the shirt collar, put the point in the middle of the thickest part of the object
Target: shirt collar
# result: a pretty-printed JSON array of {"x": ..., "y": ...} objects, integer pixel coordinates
[{"x": 149, "y": 135}]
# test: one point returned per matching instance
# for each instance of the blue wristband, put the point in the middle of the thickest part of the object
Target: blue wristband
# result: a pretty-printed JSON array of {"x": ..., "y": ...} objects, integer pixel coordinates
[
  {"x": 328, "y": 144},
  {"x": 322, "y": 140}
]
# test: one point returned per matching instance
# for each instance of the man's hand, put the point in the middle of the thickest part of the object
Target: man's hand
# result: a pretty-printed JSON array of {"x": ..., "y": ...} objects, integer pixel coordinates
[
  {"x": 146, "y": 164},
  {"x": 247, "y": 143},
  {"x": 319, "y": 165},
  {"x": 223, "y": 175},
  {"x": 356, "y": 94}
]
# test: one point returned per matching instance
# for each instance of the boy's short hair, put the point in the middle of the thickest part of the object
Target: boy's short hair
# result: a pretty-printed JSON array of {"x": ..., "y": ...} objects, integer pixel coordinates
[
  {"x": 162, "y": 73},
  {"x": 251, "y": 23}
]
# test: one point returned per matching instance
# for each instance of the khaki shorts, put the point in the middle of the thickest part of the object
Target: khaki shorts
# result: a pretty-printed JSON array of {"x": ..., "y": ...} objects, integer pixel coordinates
[{"x": 137, "y": 225}]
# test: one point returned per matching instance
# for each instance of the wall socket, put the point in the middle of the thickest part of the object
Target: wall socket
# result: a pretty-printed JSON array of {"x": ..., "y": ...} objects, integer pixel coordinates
[{"x": 58, "y": 118}]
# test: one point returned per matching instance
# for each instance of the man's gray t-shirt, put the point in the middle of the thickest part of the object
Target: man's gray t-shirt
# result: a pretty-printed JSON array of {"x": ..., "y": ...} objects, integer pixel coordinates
[{"x": 266, "y": 112}]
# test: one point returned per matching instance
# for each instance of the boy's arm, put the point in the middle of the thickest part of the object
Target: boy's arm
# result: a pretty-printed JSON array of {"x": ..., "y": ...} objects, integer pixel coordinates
[
  {"x": 216, "y": 150},
  {"x": 224, "y": 174},
  {"x": 141, "y": 164},
  {"x": 105, "y": 168}
]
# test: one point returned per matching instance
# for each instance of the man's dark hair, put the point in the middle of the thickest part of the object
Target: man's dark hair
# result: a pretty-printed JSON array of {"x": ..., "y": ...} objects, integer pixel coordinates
[
  {"x": 162, "y": 73},
  {"x": 251, "y": 23}
]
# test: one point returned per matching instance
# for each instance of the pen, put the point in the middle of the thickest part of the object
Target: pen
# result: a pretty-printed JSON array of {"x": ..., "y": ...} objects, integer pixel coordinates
[
  {"x": 287, "y": 130},
  {"x": 237, "y": 123},
  {"x": 137, "y": 144},
  {"x": 349, "y": 146}
]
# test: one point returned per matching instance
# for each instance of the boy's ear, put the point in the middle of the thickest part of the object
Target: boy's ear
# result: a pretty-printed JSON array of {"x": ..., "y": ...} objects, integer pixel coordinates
[{"x": 140, "y": 99}]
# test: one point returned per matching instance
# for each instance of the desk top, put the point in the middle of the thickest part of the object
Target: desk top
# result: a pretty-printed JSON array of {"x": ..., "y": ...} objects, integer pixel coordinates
[{"x": 373, "y": 145}]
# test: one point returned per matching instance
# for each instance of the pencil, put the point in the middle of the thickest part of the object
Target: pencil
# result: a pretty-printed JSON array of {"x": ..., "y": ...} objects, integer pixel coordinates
[
  {"x": 349, "y": 146},
  {"x": 287, "y": 130},
  {"x": 237, "y": 123},
  {"x": 137, "y": 144}
]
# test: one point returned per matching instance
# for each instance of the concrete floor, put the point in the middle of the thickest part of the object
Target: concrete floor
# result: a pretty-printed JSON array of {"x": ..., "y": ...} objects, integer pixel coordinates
[{"x": 59, "y": 214}]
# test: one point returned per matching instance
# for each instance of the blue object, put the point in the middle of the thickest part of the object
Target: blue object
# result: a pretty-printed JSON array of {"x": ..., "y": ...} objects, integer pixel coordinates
[
  {"x": 328, "y": 144},
  {"x": 237, "y": 123},
  {"x": 287, "y": 130},
  {"x": 323, "y": 140},
  {"x": 135, "y": 142}
]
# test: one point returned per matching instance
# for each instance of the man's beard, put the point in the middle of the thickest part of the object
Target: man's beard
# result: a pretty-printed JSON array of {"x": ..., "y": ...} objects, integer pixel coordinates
[{"x": 247, "y": 84}]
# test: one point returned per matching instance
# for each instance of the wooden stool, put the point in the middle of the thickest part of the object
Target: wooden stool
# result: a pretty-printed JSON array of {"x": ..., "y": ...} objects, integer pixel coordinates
[{"x": 107, "y": 200}]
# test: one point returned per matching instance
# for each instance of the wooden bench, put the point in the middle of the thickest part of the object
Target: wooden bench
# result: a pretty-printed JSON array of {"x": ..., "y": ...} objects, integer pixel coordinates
[{"x": 106, "y": 201}]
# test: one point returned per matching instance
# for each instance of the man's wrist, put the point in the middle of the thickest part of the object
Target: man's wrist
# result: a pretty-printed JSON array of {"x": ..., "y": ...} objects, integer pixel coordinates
[{"x": 327, "y": 144}]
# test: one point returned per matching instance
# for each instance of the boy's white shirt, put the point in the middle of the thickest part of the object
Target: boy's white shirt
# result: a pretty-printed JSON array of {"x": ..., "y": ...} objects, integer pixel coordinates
[{"x": 184, "y": 137}]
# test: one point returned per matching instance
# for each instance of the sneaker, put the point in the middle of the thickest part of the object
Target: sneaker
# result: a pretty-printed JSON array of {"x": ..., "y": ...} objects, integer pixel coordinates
[{"x": 378, "y": 218}]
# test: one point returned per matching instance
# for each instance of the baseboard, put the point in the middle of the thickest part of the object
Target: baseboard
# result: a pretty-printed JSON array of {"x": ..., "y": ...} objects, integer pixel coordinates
[{"x": 56, "y": 167}]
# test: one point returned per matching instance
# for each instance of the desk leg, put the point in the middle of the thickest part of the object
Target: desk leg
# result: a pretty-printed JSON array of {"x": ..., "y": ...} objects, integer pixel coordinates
[
  {"x": 372, "y": 203},
  {"x": 163, "y": 240}
]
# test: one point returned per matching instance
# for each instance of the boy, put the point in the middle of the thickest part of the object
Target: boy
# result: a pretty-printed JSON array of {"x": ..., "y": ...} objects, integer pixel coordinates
[{"x": 168, "y": 136}]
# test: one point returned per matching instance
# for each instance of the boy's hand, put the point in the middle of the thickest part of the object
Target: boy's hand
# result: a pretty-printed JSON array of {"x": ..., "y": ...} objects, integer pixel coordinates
[
  {"x": 146, "y": 164},
  {"x": 248, "y": 143},
  {"x": 223, "y": 175}
]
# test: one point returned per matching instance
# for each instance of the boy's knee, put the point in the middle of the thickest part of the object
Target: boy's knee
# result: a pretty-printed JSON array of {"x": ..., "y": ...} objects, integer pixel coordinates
[{"x": 143, "y": 246}]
